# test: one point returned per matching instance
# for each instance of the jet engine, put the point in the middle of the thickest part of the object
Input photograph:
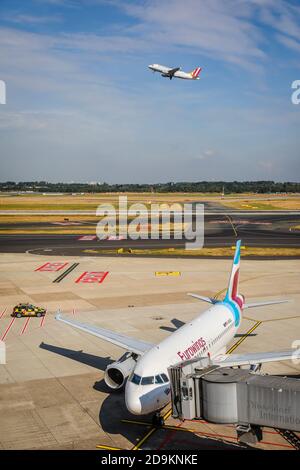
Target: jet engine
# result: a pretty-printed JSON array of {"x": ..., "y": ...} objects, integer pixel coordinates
[{"x": 117, "y": 372}]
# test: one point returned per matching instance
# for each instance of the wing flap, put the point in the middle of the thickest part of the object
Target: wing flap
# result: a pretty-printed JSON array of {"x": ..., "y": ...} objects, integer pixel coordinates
[{"x": 125, "y": 342}]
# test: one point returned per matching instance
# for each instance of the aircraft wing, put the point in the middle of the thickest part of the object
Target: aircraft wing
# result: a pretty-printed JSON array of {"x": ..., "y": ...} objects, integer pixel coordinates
[
  {"x": 230, "y": 360},
  {"x": 171, "y": 72},
  {"x": 125, "y": 342}
]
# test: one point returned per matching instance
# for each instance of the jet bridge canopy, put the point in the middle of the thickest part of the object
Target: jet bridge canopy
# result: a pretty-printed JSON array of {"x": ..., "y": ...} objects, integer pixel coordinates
[{"x": 236, "y": 396}]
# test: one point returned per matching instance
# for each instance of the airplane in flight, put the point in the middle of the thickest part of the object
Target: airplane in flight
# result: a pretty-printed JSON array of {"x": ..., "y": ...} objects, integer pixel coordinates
[
  {"x": 175, "y": 72},
  {"x": 143, "y": 369}
]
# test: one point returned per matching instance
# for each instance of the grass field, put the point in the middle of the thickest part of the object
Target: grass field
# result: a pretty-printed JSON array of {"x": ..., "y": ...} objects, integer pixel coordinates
[
  {"x": 281, "y": 204},
  {"x": 91, "y": 201},
  {"x": 51, "y": 219},
  {"x": 216, "y": 252},
  {"x": 38, "y": 202}
]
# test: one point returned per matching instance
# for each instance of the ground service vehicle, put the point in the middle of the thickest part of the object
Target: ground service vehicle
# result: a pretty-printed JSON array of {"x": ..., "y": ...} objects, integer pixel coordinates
[{"x": 28, "y": 310}]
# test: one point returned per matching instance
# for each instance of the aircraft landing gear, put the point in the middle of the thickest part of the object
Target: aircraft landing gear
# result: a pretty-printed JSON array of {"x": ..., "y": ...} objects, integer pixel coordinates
[
  {"x": 158, "y": 420},
  {"x": 255, "y": 367}
]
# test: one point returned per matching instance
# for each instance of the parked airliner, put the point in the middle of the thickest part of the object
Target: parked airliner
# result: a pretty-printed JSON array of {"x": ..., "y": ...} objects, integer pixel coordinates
[
  {"x": 175, "y": 72},
  {"x": 146, "y": 365}
]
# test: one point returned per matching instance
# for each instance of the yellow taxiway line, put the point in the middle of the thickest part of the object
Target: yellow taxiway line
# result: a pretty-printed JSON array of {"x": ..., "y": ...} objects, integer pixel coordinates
[
  {"x": 108, "y": 447},
  {"x": 244, "y": 337}
]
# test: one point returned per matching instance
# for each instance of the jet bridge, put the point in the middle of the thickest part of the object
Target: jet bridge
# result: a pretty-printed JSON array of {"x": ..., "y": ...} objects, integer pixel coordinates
[{"x": 237, "y": 396}]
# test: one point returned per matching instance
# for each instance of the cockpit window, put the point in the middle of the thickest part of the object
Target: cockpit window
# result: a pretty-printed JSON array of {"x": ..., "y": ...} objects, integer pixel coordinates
[
  {"x": 147, "y": 380},
  {"x": 165, "y": 378},
  {"x": 158, "y": 379},
  {"x": 136, "y": 379}
]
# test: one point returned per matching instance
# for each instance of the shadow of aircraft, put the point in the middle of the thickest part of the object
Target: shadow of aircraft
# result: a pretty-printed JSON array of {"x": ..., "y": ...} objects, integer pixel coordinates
[
  {"x": 177, "y": 324},
  {"x": 241, "y": 335},
  {"x": 89, "y": 359},
  {"x": 113, "y": 411}
]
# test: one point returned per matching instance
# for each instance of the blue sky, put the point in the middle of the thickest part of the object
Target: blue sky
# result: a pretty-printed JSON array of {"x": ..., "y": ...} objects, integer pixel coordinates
[{"x": 82, "y": 105}]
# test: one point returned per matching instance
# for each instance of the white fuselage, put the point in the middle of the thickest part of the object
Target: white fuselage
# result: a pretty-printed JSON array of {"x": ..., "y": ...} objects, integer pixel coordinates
[
  {"x": 165, "y": 70},
  {"x": 206, "y": 335}
]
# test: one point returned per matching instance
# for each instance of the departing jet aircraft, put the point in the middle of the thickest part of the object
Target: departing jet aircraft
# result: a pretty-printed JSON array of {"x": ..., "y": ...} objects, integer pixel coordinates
[
  {"x": 175, "y": 72},
  {"x": 145, "y": 365}
]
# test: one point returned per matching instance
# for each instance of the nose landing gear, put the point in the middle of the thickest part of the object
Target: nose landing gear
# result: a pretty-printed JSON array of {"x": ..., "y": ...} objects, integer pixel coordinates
[{"x": 158, "y": 420}]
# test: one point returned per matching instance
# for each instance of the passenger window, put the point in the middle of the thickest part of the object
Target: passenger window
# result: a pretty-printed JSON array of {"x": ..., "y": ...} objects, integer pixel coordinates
[
  {"x": 158, "y": 379},
  {"x": 147, "y": 380}
]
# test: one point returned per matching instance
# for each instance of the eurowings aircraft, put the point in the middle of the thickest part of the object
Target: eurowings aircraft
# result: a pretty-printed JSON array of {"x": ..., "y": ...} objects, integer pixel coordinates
[
  {"x": 145, "y": 365},
  {"x": 175, "y": 72}
]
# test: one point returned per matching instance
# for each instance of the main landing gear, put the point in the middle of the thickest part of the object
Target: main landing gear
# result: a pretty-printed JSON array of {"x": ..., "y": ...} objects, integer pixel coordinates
[
  {"x": 255, "y": 367},
  {"x": 158, "y": 420}
]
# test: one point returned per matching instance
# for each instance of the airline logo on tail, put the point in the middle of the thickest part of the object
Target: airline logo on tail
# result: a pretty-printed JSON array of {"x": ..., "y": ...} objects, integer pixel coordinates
[
  {"x": 233, "y": 299},
  {"x": 195, "y": 73}
]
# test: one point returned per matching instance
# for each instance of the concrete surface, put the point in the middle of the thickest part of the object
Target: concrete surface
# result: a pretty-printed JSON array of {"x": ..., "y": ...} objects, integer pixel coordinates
[{"x": 52, "y": 395}]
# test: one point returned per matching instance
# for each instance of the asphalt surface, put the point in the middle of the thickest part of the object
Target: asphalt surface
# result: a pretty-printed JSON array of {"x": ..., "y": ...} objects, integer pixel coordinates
[{"x": 222, "y": 228}]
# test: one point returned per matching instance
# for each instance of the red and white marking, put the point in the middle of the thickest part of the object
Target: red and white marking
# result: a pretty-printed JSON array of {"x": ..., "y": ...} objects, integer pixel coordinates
[
  {"x": 8, "y": 329},
  {"x": 87, "y": 238},
  {"x": 92, "y": 277},
  {"x": 25, "y": 326},
  {"x": 43, "y": 319},
  {"x": 1, "y": 315},
  {"x": 116, "y": 237},
  {"x": 51, "y": 267}
]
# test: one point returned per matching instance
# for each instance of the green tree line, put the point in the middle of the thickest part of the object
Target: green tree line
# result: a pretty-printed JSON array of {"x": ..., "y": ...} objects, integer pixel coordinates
[{"x": 262, "y": 187}]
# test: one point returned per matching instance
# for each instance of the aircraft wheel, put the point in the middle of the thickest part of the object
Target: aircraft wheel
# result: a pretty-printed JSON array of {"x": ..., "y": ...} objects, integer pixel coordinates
[{"x": 158, "y": 420}]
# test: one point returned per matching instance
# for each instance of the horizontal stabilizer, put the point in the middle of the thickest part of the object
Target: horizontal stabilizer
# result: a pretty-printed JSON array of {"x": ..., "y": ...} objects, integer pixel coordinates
[
  {"x": 262, "y": 304},
  {"x": 205, "y": 299}
]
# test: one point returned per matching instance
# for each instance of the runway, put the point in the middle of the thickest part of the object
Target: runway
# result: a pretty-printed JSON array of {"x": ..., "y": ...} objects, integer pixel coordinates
[
  {"x": 220, "y": 230},
  {"x": 218, "y": 236}
]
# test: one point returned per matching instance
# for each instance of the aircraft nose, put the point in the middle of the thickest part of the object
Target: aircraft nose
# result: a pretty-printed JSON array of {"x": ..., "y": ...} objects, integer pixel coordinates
[{"x": 132, "y": 400}]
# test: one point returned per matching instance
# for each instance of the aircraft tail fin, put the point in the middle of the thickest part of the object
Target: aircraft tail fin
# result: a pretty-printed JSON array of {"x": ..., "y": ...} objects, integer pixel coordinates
[
  {"x": 233, "y": 285},
  {"x": 196, "y": 72}
]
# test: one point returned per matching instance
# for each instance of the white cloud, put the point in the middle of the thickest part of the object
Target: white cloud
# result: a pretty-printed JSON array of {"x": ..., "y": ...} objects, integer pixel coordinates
[
  {"x": 25, "y": 19},
  {"x": 289, "y": 42},
  {"x": 207, "y": 154},
  {"x": 205, "y": 27}
]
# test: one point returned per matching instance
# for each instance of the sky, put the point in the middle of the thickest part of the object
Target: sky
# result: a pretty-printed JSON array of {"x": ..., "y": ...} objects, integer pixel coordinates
[{"x": 82, "y": 105}]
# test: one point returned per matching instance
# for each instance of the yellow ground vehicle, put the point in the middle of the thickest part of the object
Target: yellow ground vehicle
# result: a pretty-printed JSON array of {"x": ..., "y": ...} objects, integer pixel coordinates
[{"x": 28, "y": 310}]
